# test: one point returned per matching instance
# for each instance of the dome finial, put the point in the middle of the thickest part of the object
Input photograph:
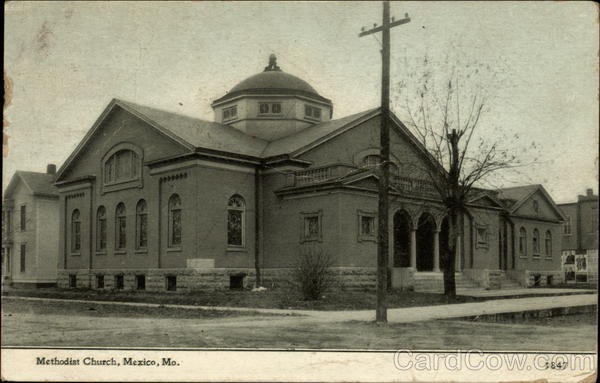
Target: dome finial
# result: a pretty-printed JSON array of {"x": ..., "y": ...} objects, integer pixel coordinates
[{"x": 272, "y": 64}]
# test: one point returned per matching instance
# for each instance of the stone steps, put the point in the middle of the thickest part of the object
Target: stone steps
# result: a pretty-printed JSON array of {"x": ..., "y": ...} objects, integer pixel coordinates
[{"x": 434, "y": 282}]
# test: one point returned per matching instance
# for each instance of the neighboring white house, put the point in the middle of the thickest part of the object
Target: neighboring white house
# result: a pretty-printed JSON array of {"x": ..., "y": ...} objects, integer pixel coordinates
[{"x": 30, "y": 216}]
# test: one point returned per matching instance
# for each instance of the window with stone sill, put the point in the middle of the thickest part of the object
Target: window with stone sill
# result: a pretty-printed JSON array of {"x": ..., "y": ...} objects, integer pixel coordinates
[
  {"x": 482, "y": 236},
  {"x": 535, "y": 241},
  {"x": 230, "y": 113},
  {"x": 236, "y": 211},
  {"x": 548, "y": 243},
  {"x": 121, "y": 227},
  {"x": 174, "y": 221},
  {"x": 101, "y": 229},
  {"x": 311, "y": 227},
  {"x": 522, "y": 242},
  {"x": 367, "y": 229},
  {"x": 75, "y": 231},
  {"x": 141, "y": 225}
]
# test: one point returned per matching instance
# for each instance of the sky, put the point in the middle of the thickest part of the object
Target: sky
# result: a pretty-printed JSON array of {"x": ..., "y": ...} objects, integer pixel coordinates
[{"x": 65, "y": 61}]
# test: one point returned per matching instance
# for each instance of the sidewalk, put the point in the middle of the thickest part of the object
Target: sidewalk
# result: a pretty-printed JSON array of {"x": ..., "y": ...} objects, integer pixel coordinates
[{"x": 397, "y": 315}]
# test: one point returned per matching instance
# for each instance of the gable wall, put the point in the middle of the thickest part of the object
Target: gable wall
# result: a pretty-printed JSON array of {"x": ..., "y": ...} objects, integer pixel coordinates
[
  {"x": 121, "y": 126},
  {"x": 345, "y": 147},
  {"x": 545, "y": 210}
]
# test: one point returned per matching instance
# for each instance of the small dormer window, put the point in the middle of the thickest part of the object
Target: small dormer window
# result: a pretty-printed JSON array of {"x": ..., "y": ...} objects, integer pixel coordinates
[
  {"x": 269, "y": 108},
  {"x": 230, "y": 113},
  {"x": 312, "y": 113}
]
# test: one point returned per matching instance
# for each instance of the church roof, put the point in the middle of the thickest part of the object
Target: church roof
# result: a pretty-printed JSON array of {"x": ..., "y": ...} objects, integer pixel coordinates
[
  {"x": 37, "y": 183},
  {"x": 515, "y": 197},
  {"x": 273, "y": 81},
  {"x": 314, "y": 134},
  {"x": 201, "y": 133}
]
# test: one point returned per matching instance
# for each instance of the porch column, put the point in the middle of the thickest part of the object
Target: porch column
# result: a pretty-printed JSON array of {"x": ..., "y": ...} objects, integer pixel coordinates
[
  {"x": 458, "y": 253},
  {"x": 413, "y": 249},
  {"x": 436, "y": 250}
]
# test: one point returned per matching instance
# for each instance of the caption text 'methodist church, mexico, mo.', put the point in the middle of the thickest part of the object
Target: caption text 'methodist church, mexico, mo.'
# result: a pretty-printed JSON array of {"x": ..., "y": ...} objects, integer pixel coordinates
[{"x": 159, "y": 201}]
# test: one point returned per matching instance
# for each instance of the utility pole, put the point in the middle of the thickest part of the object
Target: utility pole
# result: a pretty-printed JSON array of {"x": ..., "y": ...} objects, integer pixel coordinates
[{"x": 384, "y": 178}]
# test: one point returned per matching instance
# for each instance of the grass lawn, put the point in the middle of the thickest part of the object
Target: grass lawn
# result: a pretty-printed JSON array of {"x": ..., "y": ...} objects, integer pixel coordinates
[
  {"x": 95, "y": 310},
  {"x": 277, "y": 298},
  {"x": 69, "y": 324}
]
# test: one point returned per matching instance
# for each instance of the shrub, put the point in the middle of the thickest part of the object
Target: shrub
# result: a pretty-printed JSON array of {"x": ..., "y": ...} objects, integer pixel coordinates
[{"x": 312, "y": 273}]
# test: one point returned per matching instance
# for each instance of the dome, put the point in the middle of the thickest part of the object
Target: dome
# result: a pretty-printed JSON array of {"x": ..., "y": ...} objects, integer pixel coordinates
[{"x": 273, "y": 81}]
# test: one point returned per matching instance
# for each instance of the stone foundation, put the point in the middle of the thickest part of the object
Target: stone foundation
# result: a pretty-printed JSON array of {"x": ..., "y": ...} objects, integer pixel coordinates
[{"x": 189, "y": 280}]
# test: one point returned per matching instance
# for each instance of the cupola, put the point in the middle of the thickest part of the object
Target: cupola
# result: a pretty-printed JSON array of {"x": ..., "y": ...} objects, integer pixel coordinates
[{"x": 272, "y": 104}]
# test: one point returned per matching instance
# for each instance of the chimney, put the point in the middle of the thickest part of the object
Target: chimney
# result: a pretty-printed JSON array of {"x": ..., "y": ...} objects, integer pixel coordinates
[
  {"x": 589, "y": 192},
  {"x": 51, "y": 169}
]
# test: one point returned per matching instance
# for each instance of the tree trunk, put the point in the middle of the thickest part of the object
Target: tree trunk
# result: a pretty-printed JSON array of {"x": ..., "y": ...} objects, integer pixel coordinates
[{"x": 449, "y": 264}]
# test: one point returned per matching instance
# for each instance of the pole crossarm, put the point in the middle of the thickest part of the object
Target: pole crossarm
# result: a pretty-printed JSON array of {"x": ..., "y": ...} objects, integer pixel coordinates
[{"x": 405, "y": 20}]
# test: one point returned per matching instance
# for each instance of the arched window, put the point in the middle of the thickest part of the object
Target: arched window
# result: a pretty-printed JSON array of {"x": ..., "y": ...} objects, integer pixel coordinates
[
  {"x": 174, "y": 221},
  {"x": 372, "y": 161},
  {"x": 101, "y": 229},
  {"x": 121, "y": 226},
  {"x": 75, "y": 231},
  {"x": 141, "y": 225},
  {"x": 536, "y": 242},
  {"x": 122, "y": 166},
  {"x": 236, "y": 210},
  {"x": 548, "y": 244},
  {"x": 523, "y": 241}
]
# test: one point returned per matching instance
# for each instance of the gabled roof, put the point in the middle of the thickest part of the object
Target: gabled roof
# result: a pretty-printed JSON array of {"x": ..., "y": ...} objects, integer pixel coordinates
[
  {"x": 38, "y": 183},
  {"x": 316, "y": 134},
  {"x": 514, "y": 197},
  {"x": 201, "y": 133}
]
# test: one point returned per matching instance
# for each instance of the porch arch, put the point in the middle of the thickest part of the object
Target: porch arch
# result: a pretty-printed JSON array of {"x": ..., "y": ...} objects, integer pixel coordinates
[{"x": 402, "y": 238}]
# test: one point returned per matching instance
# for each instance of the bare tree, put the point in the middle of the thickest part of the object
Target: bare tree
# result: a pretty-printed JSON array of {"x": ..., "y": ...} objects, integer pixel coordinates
[{"x": 444, "y": 105}]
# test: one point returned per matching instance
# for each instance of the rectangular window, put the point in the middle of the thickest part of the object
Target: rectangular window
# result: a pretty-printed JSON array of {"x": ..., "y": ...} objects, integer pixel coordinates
[
  {"x": 312, "y": 113},
  {"x": 367, "y": 230},
  {"x": 100, "y": 281},
  {"x": 567, "y": 226},
  {"x": 594, "y": 227},
  {"x": 140, "y": 282},
  {"x": 72, "y": 281},
  {"x": 482, "y": 237},
  {"x": 171, "y": 282},
  {"x": 230, "y": 113},
  {"x": 311, "y": 227},
  {"x": 23, "y": 256},
  {"x": 119, "y": 282},
  {"x": 8, "y": 260},
  {"x": 23, "y": 218}
]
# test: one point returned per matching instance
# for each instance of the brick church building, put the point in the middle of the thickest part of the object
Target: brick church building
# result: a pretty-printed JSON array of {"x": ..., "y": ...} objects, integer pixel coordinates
[{"x": 154, "y": 200}]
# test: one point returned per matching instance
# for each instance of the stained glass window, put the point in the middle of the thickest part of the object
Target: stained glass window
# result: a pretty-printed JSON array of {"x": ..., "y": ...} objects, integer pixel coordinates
[
  {"x": 536, "y": 242},
  {"x": 548, "y": 243},
  {"x": 311, "y": 227},
  {"x": 522, "y": 241},
  {"x": 121, "y": 225},
  {"x": 235, "y": 221},
  {"x": 75, "y": 231},
  {"x": 141, "y": 225},
  {"x": 101, "y": 235},
  {"x": 367, "y": 225},
  {"x": 174, "y": 220}
]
